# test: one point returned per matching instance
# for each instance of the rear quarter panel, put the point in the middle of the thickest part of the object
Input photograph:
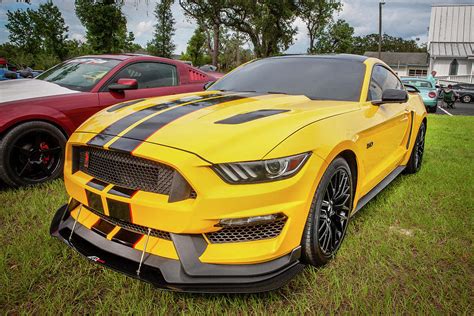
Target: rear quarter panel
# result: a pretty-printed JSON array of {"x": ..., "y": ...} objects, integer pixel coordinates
[{"x": 66, "y": 111}]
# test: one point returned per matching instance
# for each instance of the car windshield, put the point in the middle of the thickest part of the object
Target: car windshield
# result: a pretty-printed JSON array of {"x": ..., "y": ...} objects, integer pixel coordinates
[
  {"x": 80, "y": 74},
  {"x": 318, "y": 78},
  {"x": 418, "y": 83}
]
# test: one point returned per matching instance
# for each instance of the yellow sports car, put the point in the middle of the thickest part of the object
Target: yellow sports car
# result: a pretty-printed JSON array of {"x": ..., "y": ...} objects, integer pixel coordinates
[{"x": 236, "y": 188}]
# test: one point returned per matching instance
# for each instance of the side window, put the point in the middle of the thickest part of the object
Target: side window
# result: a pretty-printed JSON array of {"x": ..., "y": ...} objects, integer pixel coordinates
[
  {"x": 150, "y": 75},
  {"x": 381, "y": 80}
]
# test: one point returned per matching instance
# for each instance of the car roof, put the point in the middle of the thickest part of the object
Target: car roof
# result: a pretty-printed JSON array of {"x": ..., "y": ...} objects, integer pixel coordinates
[
  {"x": 123, "y": 57},
  {"x": 349, "y": 57},
  {"x": 414, "y": 78}
]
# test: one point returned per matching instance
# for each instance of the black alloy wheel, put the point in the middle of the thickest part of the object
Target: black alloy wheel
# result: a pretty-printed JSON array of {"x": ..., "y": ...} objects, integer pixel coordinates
[
  {"x": 31, "y": 153},
  {"x": 416, "y": 158},
  {"x": 327, "y": 222},
  {"x": 335, "y": 210}
]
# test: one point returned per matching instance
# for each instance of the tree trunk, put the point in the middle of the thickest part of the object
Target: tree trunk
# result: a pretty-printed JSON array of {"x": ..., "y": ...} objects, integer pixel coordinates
[{"x": 215, "y": 50}]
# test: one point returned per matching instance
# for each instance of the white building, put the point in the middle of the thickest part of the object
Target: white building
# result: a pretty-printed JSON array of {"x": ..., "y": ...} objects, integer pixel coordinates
[
  {"x": 451, "y": 41},
  {"x": 404, "y": 64}
]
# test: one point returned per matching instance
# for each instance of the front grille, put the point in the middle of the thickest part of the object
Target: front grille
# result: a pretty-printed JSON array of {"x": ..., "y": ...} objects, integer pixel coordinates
[
  {"x": 247, "y": 233},
  {"x": 132, "y": 227},
  {"x": 125, "y": 170}
]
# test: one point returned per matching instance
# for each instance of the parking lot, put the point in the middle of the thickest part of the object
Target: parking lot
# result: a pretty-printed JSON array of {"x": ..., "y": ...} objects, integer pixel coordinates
[{"x": 460, "y": 109}]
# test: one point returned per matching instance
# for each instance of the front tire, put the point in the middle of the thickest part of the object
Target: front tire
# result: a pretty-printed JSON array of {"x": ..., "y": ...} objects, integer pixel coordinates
[
  {"x": 416, "y": 157},
  {"x": 329, "y": 214},
  {"x": 31, "y": 153}
]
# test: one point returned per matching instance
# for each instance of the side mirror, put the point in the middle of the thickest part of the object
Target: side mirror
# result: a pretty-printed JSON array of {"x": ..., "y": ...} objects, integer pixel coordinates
[
  {"x": 411, "y": 88},
  {"x": 124, "y": 84},
  {"x": 207, "y": 85},
  {"x": 392, "y": 96}
]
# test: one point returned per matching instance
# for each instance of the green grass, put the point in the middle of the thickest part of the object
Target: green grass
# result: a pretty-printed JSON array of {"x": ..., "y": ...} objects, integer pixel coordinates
[{"x": 408, "y": 251}]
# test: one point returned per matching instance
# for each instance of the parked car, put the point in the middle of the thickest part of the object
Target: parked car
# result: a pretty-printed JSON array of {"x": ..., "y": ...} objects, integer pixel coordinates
[
  {"x": 428, "y": 92},
  {"x": 38, "y": 115},
  {"x": 465, "y": 92},
  {"x": 235, "y": 188}
]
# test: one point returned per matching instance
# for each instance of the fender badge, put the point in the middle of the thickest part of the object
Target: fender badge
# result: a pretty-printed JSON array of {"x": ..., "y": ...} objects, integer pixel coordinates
[{"x": 96, "y": 259}]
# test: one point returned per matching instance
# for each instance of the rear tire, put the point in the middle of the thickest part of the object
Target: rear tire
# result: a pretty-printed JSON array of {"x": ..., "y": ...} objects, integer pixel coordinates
[
  {"x": 466, "y": 99},
  {"x": 329, "y": 214},
  {"x": 432, "y": 109},
  {"x": 416, "y": 157},
  {"x": 31, "y": 153}
]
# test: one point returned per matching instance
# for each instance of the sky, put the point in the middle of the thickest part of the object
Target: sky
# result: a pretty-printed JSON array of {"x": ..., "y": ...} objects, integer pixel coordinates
[{"x": 402, "y": 18}]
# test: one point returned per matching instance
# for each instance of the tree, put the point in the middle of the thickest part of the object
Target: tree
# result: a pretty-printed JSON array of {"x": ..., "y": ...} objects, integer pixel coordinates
[
  {"x": 196, "y": 48},
  {"x": 130, "y": 45},
  {"x": 267, "y": 23},
  {"x": 317, "y": 14},
  {"x": 22, "y": 30},
  {"x": 106, "y": 26},
  {"x": 337, "y": 39},
  {"x": 49, "y": 23},
  {"x": 370, "y": 42},
  {"x": 208, "y": 14},
  {"x": 38, "y": 32},
  {"x": 162, "y": 42}
]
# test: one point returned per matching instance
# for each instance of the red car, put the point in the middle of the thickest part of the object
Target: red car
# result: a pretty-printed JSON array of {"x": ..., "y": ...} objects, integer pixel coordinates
[{"x": 38, "y": 115}]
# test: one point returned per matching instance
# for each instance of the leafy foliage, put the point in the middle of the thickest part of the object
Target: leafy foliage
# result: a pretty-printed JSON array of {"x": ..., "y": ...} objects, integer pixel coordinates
[
  {"x": 370, "y": 42},
  {"x": 195, "y": 51},
  {"x": 162, "y": 42},
  {"x": 208, "y": 14},
  {"x": 337, "y": 39},
  {"x": 38, "y": 35},
  {"x": 317, "y": 15},
  {"x": 267, "y": 23},
  {"x": 106, "y": 26}
]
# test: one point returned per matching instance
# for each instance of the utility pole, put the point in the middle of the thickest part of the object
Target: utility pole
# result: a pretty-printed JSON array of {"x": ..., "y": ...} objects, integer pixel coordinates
[{"x": 381, "y": 3}]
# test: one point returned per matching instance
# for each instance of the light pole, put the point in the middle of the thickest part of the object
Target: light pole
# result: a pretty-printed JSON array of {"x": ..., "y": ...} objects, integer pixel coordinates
[{"x": 381, "y": 3}]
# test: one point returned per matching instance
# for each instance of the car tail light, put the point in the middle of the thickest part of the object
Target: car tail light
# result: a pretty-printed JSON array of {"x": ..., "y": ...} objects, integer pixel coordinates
[{"x": 432, "y": 94}]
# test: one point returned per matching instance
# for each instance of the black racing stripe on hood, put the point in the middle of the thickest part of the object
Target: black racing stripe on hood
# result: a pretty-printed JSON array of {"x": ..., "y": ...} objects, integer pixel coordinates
[
  {"x": 133, "y": 138},
  {"x": 250, "y": 116},
  {"x": 123, "y": 104},
  {"x": 118, "y": 126}
]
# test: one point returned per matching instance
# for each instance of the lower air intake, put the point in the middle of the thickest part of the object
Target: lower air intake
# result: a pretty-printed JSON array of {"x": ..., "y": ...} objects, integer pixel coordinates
[{"x": 247, "y": 233}]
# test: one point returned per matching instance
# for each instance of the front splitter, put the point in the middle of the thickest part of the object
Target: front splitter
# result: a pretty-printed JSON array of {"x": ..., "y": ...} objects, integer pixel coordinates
[{"x": 188, "y": 274}]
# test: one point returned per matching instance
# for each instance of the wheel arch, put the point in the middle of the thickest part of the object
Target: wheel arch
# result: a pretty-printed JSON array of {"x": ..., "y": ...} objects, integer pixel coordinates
[
  {"x": 351, "y": 159},
  {"x": 51, "y": 122}
]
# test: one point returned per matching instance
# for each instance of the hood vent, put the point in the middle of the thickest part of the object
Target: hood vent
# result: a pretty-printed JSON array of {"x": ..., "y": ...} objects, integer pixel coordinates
[{"x": 250, "y": 116}]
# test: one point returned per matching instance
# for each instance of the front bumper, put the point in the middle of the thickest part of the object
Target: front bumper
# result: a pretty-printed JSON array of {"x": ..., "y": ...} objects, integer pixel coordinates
[
  {"x": 188, "y": 273},
  {"x": 430, "y": 102}
]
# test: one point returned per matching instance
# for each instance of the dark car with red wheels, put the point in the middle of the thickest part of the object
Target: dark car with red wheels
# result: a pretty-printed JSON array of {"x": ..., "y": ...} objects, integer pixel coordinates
[{"x": 38, "y": 115}]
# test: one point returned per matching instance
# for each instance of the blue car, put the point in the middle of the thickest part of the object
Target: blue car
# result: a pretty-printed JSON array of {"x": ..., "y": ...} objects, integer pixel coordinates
[{"x": 427, "y": 92}]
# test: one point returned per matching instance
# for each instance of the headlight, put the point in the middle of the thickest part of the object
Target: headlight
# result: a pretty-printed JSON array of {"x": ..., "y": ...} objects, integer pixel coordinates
[{"x": 261, "y": 171}]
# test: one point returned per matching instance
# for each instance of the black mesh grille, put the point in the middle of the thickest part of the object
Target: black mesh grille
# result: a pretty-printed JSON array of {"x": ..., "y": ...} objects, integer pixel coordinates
[
  {"x": 132, "y": 227},
  {"x": 125, "y": 170},
  {"x": 247, "y": 233}
]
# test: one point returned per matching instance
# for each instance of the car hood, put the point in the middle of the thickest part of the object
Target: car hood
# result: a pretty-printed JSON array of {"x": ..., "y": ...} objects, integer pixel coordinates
[
  {"x": 220, "y": 128},
  {"x": 21, "y": 89}
]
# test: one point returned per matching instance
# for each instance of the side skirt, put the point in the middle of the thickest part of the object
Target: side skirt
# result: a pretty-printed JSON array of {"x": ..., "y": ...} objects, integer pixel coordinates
[{"x": 378, "y": 188}]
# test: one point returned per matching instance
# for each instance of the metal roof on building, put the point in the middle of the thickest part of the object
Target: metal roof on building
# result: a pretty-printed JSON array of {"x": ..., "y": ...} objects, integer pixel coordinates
[
  {"x": 452, "y": 49},
  {"x": 400, "y": 58},
  {"x": 451, "y": 32}
]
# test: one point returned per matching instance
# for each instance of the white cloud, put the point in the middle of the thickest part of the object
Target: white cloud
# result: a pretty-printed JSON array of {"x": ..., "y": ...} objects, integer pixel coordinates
[{"x": 143, "y": 27}]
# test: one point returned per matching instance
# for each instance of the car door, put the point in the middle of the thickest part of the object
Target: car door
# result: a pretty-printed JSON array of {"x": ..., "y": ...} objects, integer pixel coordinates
[
  {"x": 385, "y": 138},
  {"x": 154, "y": 79}
]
